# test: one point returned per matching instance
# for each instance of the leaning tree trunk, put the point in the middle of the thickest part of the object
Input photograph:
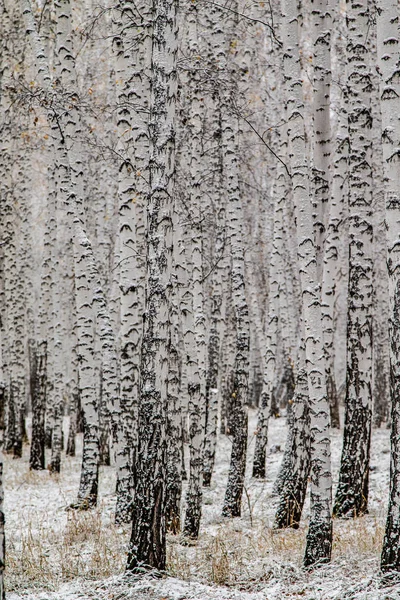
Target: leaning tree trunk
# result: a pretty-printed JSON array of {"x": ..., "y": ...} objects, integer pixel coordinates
[
  {"x": 352, "y": 492},
  {"x": 389, "y": 61},
  {"x": 147, "y": 547},
  {"x": 319, "y": 537}
]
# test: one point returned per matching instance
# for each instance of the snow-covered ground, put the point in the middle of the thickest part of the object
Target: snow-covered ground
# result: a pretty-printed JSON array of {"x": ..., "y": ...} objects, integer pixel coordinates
[{"x": 57, "y": 554}]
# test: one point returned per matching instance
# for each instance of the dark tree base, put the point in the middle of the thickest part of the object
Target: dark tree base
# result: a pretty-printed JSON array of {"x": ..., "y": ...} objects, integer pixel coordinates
[
  {"x": 232, "y": 511},
  {"x": 55, "y": 466},
  {"x": 48, "y": 438},
  {"x": 259, "y": 468},
  {"x": 206, "y": 479},
  {"x": 84, "y": 504},
  {"x": 70, "y": 446},
  {"x": 192, "y": 527},
  {"x": 17, "y": 449},
  {"x": 37, "y": 454},
  {"x": 319, "y": 545},
  {"x": 289, "y": 512},
  {"x": 390, "y": 557},
  {"x": 349, "y": 506},
  {"x": 147, "y": 548},
  {"x": 173, "y": 509},
  {"x": 124, "y": 508},
  {"x": 234, "y": 489}
]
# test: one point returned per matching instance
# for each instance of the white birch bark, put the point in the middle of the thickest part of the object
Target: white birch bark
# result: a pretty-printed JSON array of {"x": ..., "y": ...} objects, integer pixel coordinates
[
  {"x": 295, "y": 469},
  {"x": 331, "y": 266},
  {"x": 195, "y": 408},
  {"x": 321, "y": 38},
  {"x": 326, "y": 256},
  {"x": 388, "y": 38},
  {"x": 194, "y": 321},
  {"x": 132, "y": 49},
  {"x": 174, "y": 416},
  {"x": 319, "y": 537},
  {"x": 352, "y": 493},
  {"x": 381, "y": 311},
  {"x": 86, "y": 273},
  {"x": 14, "y": 310},
  {"x": 40, "y": 384},
  {"x": 236, "y": 381},
  {"x": 56, "y": 198},
  {"x": 217, "y": 318},
  {"x": 148, "y": 544},
  {"x": 275, "y": 273}
]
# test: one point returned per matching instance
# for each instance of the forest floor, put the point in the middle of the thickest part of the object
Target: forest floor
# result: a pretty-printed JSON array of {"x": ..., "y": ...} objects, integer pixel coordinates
[{"x": 58, "y": 554}]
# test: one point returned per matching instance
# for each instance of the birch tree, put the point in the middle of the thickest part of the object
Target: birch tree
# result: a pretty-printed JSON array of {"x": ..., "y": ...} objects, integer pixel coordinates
[
  {"x": 147, "y": 547},
  {"x": 86, "y": 274},
  {"x": 132, "y": 49},
  {"x": 352, "y": 493},
  {"x": 192, "y": 309},
  {"x": 327, "y": 256},
  {"x": 14, "y": 294},
  {"x": 271, "y": 342},
  {"x": 388, "y": 39},
  {"x": 237, "y": 380},
  {"x": 319, "y": 537},
  {"x": 296, "y": 470}
]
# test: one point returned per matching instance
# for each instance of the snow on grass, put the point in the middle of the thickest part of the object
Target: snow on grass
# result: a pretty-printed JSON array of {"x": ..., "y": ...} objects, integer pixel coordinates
[{"x": 57, "y": 554}]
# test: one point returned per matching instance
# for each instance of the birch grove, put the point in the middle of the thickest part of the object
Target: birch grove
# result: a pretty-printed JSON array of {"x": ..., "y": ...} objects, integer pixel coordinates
[{"x": 199, "y": 287}]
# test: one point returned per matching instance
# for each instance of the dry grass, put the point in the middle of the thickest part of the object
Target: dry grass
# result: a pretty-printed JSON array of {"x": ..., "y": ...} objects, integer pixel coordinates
[
  {"x": 48, "y": 545},
  {"x": 245, "y": 558},
  {"x": 87, "y": 545}
]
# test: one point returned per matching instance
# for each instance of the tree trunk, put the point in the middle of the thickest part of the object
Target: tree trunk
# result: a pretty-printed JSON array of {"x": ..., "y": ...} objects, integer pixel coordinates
[
  {"x": 389, "y": 59},
  {"x": 275, "y": 274},
  {"x": 132, "y": 50},
  {"x": 296, "y": 466},
  {"x": 38, "y": 398},
  {"x": 240, "y": 373},
  {"x": 147, "y": 547},
  {"x": 352, "y": 492},
  {"x": 319, "y": 537}
]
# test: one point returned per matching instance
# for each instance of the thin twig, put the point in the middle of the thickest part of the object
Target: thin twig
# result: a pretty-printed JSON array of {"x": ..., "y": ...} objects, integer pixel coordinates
[
  {"x": 249, "y": 505},
  {"x": 265, "y": 143},
  {"x": 41, "y": 14},
  {"x": 248, "y": 18}
]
